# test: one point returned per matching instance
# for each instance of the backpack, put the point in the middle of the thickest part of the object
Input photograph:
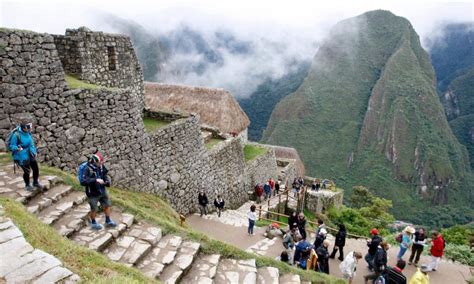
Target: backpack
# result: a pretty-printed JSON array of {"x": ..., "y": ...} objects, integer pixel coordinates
[
  {"x": 399, "y": 238},
  {"x": 9, "y": 138},
  {"x": 81, "y": 172},
  {"x": 380, "y": 280}
]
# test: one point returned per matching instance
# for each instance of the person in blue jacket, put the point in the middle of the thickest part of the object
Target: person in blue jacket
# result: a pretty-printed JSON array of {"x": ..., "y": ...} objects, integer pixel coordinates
[
  {"x": 96, "y": 179},
  {"x": 24, "y": 154}
]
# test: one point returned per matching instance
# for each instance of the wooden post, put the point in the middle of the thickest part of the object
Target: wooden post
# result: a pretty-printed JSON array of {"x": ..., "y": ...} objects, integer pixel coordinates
[
  {"x": 279, "y": 204},
  {"x": 286, "y": 203},
  {"x": 260, "y": 213}
]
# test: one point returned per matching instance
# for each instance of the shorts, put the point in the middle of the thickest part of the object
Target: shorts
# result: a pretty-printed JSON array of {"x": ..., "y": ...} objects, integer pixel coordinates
[{"x": 103, "y": 199}]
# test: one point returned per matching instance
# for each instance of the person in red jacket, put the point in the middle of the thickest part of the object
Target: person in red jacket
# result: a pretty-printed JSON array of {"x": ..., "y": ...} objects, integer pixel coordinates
[
  {"x": 271, "y": 182},
  {"x": 437, "y": 249}
]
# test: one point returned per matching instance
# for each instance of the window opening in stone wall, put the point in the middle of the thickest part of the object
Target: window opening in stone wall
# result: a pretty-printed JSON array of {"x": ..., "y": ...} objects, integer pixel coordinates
[{"x": 112, "y": 55}]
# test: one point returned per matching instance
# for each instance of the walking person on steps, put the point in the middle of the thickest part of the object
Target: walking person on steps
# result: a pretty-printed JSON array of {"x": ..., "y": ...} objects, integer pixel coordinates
[
  {"x": 203, "y": 201},
  {"x": 95, "y": 181},
  {"x": 24, "y": 153},
  {"x": 339, "y": 243},
  {"x": 252, "y": 216},
  {"x": 219, "y": 203}
]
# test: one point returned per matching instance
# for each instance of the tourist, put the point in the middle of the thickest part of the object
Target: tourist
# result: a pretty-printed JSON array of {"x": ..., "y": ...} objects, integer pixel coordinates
[
  {"x": 321, "y": 225},
  {"x": 302, "y": 251},
  {"x": 277, "y": 187},
  {"x": 295, "y": 187},
  {"x": 302, "y": 225},
  {"x": 436, "y": 251},
  {"x": 284, "y": 257},
  {"x": 289, "y": 238},
  {"x": 373, "y": 245},
  {"x": 318, "y": 184},
  {"x": 22, "y": 146},
  {"x": 293, "y": 220},
  {"x": 259, "y": 192},
  {"x": 271, "y": 182},
  {"x": 323, "y": 257},
  {"x": 340, "y": 242},
  {"x": 203, "y": 201},
  {"x": 320, "y": 237},
  {"x": 406, "y": 241},
  {"x": 379, "y": 262},
  {"x": 313, "y": 185},
  {"x": 252, "y": 216},
  {"x": 95, "y": 181},
  {"x": 301, "y": 181},
  {"x": 219, "y": 203},
  {"x": 268, "y": 190},
  {"x": 394, "y": 275},
  {"x": 420, "y": 276},
  {"x": 349, "y": 265},
  {"x": 419, "y": 241}
]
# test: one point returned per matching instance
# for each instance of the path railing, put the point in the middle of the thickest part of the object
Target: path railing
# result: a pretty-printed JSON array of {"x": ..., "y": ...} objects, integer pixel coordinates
[{"x": 308, "y": 221}]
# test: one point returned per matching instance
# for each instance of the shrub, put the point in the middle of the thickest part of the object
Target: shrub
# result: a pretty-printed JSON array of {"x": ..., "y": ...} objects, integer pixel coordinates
[
  {"x": 461, "y": 253},
  {"x": 459, "y": 234}
]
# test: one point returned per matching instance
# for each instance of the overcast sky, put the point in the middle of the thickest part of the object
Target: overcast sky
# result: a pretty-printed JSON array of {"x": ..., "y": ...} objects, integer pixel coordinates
[
  {"x": 261, "y": 18},
  {"x": 298, "y": 25}
]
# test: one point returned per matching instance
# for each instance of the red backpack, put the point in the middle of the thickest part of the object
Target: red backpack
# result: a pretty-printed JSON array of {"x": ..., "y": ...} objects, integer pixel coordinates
[{"x": 399, "y": 238}]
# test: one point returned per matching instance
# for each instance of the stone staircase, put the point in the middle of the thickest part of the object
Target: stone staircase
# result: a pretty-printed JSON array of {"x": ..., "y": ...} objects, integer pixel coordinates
[{"x": 134, "y": 243}]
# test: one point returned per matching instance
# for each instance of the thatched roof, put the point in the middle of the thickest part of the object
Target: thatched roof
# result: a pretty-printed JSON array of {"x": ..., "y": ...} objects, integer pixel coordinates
[
  {"x": 290, "y": 153},
  {"x": 216, "y": 107}
]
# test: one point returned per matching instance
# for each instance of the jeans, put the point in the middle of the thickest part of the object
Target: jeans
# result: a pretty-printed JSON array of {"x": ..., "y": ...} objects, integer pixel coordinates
[
  {"x": 219, "y": 211},
  {"x": 251, "y": 225},
  {"x": 415, "y": 253},
  {"x": 401, "y": 252},
  {"x": 203, "y": 209},
  {"x": 369, "y": 258}
]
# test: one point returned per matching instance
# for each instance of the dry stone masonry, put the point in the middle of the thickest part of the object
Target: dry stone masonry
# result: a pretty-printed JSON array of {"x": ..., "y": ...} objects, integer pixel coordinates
[
  {"x": 71, "y": 124},
  {"x": 135, "y": 243}
]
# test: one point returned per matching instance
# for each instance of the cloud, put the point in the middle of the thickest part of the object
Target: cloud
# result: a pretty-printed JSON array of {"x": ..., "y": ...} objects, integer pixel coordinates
[{"x": 279, "y": 31}]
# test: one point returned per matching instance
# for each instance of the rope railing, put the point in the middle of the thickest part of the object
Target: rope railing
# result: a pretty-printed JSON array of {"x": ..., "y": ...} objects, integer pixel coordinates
[{"x": 308, "y": 221}]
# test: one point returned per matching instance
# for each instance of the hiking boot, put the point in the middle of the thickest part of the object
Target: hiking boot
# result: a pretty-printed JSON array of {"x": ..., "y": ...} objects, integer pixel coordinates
[
  {"x": 29, "y": 188},
  {"x": 38, "y": 186},
  {"x": 96, "y": 226},
  {"x": 110, "y": 224}
]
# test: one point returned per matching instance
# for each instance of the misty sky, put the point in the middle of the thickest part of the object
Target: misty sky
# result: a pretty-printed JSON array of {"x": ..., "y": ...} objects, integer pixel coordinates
[{"x": 299, "y": 24}]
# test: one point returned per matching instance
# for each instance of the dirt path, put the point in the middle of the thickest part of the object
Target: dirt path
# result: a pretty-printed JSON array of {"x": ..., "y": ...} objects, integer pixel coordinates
[{"x": 448, "y": 273}]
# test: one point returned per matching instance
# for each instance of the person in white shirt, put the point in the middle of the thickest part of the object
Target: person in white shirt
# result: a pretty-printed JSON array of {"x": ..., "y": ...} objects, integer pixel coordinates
[
  {"x": 252, "y": 218},
  {"x": 349, "y": 265}
]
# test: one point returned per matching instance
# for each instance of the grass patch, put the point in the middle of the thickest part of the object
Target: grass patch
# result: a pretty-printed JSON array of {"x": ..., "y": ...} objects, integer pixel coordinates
[
  {"x": 152, "y": 124},
  {"x": 75, "y": 83},
  {"x": 253, "y": 151},
  {"x": 153, "y": 209},
  {"x": 92, "y": 266},
  {"x": 213, "y": 142}
]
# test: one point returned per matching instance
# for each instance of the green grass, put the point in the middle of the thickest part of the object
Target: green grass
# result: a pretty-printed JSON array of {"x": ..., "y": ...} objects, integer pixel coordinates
[
  {"x": 93, "y": 267},
  {"x": 253, "y": 151},
  {"x": 152, "y": 124},
  {"x": 75, "y": 83},
  {"x": 213, "y": 142},
  {"x": 144, "y": 206}
]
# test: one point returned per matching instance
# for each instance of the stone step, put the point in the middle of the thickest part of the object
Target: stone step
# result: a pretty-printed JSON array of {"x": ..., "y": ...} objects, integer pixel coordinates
[
  {"x": 41, "y": 201},
  {"x": 99, "y": 240},
  {"x": 236, "y": 271},
  {"x": 52, "y": 213},
  {"x": 163, "y": 254},
  {"x": 203, "y": 269},
  {"x": 13, "y": 186},
  {"x": 290, "y": 279},
  {"x": 181, "y": 264},
  {"x": 73, "y": 220},
  {"x": 268, "y": 275},
  {"x": 134, "y": 244}
]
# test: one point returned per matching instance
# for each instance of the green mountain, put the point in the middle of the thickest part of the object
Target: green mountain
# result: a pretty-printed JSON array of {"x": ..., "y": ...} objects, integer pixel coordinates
[
  {"x": 452, "y": 55},
  {"x": 259, "y": 105},
  {"x": 368, "y": 114}
]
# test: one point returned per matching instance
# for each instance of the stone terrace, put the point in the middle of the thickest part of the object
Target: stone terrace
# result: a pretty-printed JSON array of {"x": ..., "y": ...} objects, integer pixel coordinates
[{"x": 133, "y": 242}]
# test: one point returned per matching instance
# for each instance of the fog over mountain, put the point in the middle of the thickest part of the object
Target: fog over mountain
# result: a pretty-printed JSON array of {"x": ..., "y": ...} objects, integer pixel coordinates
[{"x": 234, "y": 45}]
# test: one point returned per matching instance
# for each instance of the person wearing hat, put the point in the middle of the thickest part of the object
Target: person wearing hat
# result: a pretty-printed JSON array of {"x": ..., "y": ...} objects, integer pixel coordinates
[
  {"x": 22, "y": 146},
  {"x": 406, "y": 241},
  {"x": 96, "y": 180},
  {"x": 373, "y": 244}
]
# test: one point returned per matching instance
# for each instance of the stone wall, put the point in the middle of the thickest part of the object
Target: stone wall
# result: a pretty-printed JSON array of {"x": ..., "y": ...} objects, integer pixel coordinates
[
  {"x": 261, "y": 169},
  {"x": 164, "y": 116},
  {"x": 71, "y": 124},
  {"x": 287, "y": 170},
  {"x": 320, "y": 201}
]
